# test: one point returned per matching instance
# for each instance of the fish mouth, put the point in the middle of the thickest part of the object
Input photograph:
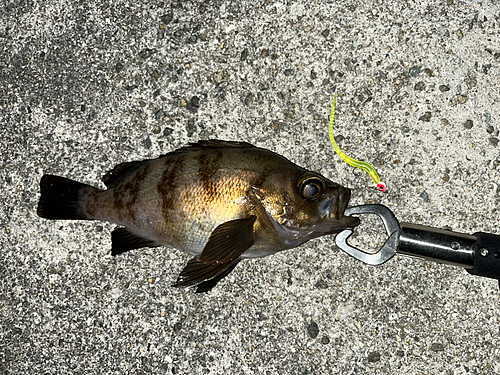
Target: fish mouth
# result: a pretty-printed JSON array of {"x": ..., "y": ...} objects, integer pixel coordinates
[
  {"x": 332, "y": 225},
  {"x": 332, "y": 211},
  {"x": 327, "y": 225},
  {"x": 332, "y": 220},
  {"x": 334, "y": 206}
]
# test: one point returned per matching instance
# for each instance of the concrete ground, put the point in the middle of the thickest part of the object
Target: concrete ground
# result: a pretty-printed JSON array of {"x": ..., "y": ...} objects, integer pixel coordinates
[{"x": 87, "y": 85}]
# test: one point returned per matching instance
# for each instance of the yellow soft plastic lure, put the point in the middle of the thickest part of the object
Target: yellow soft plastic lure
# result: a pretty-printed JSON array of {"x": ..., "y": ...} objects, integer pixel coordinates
[{"x": 355, "y": 163}]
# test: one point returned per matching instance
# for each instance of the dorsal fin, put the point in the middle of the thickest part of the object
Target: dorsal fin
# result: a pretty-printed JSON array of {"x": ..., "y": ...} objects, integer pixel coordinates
[
  {"x": 121, "y": 172},
  {"x": 209, "y": 144},
  {"x": 216, "y": 143}
]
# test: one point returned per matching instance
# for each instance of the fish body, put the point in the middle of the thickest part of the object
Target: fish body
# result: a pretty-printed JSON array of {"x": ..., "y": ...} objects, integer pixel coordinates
[{"x": 217, "y": 200}]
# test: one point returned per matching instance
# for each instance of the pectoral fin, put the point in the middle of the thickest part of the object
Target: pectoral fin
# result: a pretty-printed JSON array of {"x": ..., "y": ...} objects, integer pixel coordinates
[
  {"x": 229, "y": 240},
  {"x": 205, "y": 275},
  {"x": 219, "y": 257},
  {"x": 207, "y": 286}
]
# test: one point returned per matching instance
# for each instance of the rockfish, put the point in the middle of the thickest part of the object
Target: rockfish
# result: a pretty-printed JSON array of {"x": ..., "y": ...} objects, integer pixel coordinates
[{"x": 220, "y": 201}]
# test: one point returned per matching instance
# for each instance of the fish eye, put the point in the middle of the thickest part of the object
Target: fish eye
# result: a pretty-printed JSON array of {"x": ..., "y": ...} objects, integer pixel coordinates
[{"x": 311, "y": 187}]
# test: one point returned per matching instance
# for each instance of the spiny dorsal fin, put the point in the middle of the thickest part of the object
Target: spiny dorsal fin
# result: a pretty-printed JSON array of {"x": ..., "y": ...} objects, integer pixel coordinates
[
  {"x": 216, "y": 143},
  {"x": 208, "y": 145}
]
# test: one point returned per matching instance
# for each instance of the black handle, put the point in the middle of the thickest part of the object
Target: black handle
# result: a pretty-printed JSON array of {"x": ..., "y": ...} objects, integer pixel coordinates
[
  {"x": 486, "y": 256},
  {"x": 438, "y": 245},
  {"x": 479, "y": 253}
]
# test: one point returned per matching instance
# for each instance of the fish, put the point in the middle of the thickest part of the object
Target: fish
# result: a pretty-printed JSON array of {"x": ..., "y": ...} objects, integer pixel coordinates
[{"x": 220, "y": 201}]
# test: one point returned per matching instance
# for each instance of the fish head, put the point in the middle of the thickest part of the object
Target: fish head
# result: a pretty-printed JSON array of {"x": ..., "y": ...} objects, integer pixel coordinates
[{"x": 305, "y": 205}]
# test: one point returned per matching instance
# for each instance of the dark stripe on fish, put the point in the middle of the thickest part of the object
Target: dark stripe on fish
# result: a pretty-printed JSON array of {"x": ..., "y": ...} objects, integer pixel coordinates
[
  {"x": 118, "y": 201},
  {"x": 133, "y": 188},
  {"x": 125, "y": 196},
  {"x": 167, "y": 185},
  {"x": 91, "y": 203},
  {"x": 208, "y": 165}
]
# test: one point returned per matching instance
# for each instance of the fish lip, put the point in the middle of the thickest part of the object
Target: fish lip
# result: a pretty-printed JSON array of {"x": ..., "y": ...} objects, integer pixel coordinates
[
  {"x": 350, "y": 221},
  {"x": 333, "y": 210},
  {"x": 328, "y": 225},
  {"x": 335, "y": 206},
  {"x": 344, "y": 197},
  {"x": 334, "y": 225},
  {"x": 299, "y": 234}
]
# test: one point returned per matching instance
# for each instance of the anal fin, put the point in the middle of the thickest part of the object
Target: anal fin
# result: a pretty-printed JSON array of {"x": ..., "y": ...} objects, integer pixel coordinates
[{"x": 123, "y": 240}]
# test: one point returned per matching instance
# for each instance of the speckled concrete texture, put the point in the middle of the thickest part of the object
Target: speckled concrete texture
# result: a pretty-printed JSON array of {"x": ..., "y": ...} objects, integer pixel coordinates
[{"x": 87, "y": 85}]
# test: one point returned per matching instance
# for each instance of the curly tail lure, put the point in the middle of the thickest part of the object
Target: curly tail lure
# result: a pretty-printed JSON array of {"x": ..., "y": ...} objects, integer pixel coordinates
[{"x": 355, "y": 163}]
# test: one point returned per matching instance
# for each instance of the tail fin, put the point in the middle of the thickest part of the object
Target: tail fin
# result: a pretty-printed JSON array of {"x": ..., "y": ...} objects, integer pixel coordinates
[{"x": 61, "y": 198}]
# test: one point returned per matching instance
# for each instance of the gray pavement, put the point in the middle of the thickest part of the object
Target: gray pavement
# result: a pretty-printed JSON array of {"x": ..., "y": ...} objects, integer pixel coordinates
[{"x": 87, "y": 85}]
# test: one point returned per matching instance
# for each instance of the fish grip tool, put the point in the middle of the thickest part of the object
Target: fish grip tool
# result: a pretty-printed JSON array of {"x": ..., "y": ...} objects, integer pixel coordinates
[
  {"x": 478, "y": 253},
  {"x": 391, "y": 224}
]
